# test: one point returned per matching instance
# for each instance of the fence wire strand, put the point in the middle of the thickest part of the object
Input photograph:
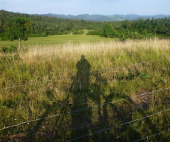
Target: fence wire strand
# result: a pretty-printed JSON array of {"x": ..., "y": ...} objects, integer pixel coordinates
[
  {"x": 119, "y": 125},
  {"x": 150, "y": 136},
  {"x": 78, "y": 110}
]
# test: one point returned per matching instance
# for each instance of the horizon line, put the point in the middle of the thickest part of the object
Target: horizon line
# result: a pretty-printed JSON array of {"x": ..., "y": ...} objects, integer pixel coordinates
[{"x": 86, "y": 14}]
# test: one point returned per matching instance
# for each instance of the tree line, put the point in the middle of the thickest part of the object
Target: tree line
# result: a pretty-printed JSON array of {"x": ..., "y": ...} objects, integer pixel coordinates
[
  {"x": 140, "y": 29},
  {"x": 44, "y": 26}
]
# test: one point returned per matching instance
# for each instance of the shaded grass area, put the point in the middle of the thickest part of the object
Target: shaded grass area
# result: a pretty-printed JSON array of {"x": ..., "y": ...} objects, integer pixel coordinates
[{"x": 87, "y": 80}]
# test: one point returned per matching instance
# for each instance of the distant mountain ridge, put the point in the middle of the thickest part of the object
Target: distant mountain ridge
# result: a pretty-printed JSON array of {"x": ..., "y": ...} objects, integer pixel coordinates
[{"x": 117, "y": 17}]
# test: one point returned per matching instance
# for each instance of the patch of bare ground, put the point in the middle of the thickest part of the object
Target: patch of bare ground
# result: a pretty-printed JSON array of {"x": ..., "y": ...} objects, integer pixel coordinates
[{"x": 142, "y": 101}]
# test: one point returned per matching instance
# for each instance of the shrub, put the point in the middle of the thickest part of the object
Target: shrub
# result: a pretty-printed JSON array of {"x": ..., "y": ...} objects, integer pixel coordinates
[
  {"x": 94, "y": 32},
  {"x": 4, "y": 49},
  {"x": 43, "y": 34},
  {"x": 11, "y": 49},
  {"x": 58, "y": 33},
  {"x": 108, "y": 31},
  {"x": 78, "y": 32},
  {"x": 66, "y": 32}
]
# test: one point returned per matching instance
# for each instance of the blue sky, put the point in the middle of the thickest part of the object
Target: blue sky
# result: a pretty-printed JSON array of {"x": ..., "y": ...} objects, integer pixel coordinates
[{"x": 75, "y": 7}]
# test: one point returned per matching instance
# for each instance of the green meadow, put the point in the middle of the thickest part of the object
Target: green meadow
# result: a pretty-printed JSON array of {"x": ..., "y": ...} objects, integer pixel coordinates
[
  {"x": 57, "y": 39},
  {"x": 85, "y": 88}
]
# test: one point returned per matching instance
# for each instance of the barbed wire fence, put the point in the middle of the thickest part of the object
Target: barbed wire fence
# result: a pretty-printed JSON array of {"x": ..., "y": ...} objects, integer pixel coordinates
[
  {"x": 83, "y": 109},
  {"x": 129, "y": 122},
  {"x": 151, "y": 136},
  {"x": 124, "y": 116}
]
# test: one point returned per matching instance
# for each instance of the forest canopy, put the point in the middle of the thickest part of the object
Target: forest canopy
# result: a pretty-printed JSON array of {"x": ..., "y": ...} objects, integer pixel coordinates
[{"x": 44, "y": 26}]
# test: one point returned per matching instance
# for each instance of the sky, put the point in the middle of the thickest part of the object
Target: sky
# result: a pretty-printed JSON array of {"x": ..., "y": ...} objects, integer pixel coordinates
[{"x": 76, "y": 7}]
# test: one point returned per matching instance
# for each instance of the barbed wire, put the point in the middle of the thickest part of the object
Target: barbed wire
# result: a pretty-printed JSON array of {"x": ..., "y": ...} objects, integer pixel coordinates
[
  {"x": 118, "y": 117},
  {"x": 119, "y": 125},
  {"x": 78, "y": 110},
  {"x": 151, "y": 136},
  {"x": 27, "y": 84},
  {"x": 92, "y": 73}
]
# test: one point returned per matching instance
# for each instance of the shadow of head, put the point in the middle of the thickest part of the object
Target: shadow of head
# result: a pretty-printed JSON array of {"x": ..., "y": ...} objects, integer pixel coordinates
[{"x": 82, "y": 57}]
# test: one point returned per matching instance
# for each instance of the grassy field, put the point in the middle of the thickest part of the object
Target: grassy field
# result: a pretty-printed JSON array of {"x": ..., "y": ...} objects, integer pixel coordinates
[
  {"x": 56, "y": 39},
  {"x": 92, "y": 91}
]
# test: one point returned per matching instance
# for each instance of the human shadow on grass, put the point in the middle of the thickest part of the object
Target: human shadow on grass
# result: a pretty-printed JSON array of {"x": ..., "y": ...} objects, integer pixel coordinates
[
  {"x": 112, "y": 113},
  {"x": 80, "y": 120},
  {"x": 96, "y": 96},
  {"x": 79, "y": 93},
  {"x": 122, "y": 113},
  {"x": 108, "y": 114}
]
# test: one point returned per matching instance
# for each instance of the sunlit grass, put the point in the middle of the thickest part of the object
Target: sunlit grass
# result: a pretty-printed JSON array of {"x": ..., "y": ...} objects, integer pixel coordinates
[
  {"x": 115, "y": 74},
  {"x": 56, "y": 39}
]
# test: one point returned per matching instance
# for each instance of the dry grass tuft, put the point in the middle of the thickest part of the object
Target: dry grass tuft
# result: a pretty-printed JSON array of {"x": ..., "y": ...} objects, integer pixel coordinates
[{"x": 72, "y": 51}]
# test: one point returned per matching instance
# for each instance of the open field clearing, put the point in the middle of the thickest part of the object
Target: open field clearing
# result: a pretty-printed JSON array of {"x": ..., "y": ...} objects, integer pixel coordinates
[
  {"x": 92, "y": 91},
  {"x": 57, "y": 39}
]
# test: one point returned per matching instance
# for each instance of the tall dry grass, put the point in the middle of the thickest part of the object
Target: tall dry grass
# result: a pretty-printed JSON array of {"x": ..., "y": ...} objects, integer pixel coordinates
[
  {"x": 115, "y": 74},
  {"x": 71, "y": 51}
]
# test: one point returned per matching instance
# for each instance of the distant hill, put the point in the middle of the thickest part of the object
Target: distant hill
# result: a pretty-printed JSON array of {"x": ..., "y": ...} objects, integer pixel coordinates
[
  {"x": 107, "y": 17},
  {"x": 52, "y": 24}
]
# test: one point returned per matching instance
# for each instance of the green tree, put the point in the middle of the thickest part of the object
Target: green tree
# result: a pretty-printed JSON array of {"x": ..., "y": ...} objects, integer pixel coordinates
[
  {"x": 127, "y": 24},
  {"x": 108, "y": 31},
  {"x": 20, "y": 30}
]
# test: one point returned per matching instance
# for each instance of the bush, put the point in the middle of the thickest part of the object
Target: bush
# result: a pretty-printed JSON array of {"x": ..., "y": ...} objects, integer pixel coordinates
[
  {"x": 11, "y": 49},
  {"x": 39, "y": 35},
  {"x": 94, "y": 32},
  {"x": 108, "y": 31},
  {"x": 66, "y": 32},
  {"x": 58, "y": 33},
  {"x": 78, "y": 32},
  {"x": 4, "y": 49}
]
